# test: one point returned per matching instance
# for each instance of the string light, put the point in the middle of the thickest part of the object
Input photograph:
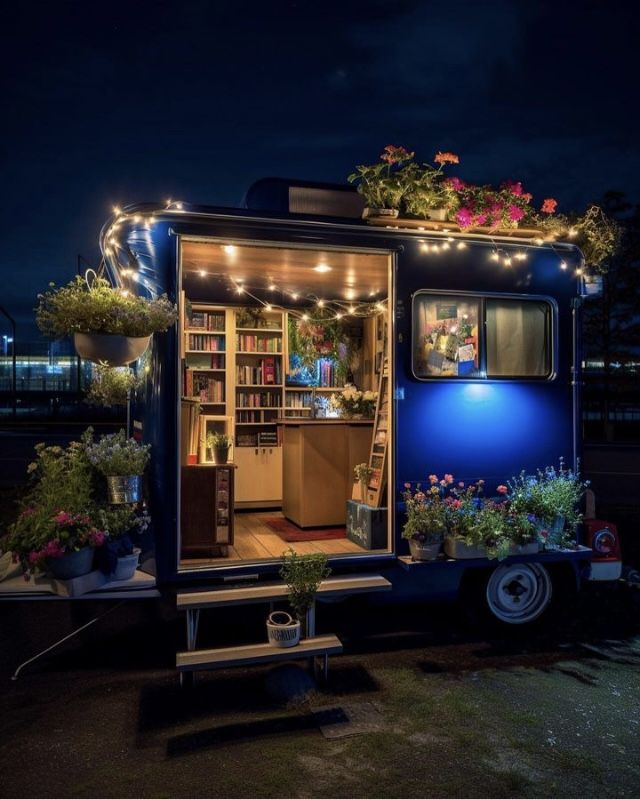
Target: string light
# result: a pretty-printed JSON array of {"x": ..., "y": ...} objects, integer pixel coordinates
[
  {"x": 495, "y": 256},
  {"x": 507, "y": 261},
  {"x": 461, "y": 245},
  {"x": 272, "y": 287},
  {"x": 202, "y": 273},
  {"x": 563, "y": 264}
]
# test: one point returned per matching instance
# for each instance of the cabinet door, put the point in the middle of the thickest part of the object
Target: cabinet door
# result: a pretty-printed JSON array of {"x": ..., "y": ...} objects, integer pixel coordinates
[{"x": 259, "y": 474}]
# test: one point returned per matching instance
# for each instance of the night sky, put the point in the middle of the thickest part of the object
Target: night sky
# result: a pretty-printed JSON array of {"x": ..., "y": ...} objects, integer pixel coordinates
[{"x": 111, "y": 103}]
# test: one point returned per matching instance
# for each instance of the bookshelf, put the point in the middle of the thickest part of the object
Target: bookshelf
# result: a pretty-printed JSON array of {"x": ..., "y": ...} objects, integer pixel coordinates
[{"x": 205, "y": 357}]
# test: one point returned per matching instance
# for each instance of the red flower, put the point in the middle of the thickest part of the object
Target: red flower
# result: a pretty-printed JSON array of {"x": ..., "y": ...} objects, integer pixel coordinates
[
  {"x": 395, "y": 155},
  {"x": 502, "y": 490},
  {"x": 549, "y": 206},
  {"x": 446, "y": 158},
  {"x": 515, "y": 213}
]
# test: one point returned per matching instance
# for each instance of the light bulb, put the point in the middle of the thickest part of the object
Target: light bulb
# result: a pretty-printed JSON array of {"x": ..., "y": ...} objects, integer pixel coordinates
[
  {"x": 321, "y": 303},
  {"x": 563, "y": 264},
  {"x": 462, "y": 245},
  {"x": 272, "y": 287},
  {"x": 495, "y": 256},
  {"x": 229, "y": 249},
  {"x": 202, "y": 273}
]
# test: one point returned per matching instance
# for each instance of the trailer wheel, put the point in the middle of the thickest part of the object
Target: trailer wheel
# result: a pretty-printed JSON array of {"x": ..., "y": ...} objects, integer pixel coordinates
[{"x": 518, "y": 593}]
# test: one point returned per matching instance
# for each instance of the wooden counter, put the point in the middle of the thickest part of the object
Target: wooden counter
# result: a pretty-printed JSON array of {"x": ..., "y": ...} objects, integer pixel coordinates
[{"x": 318, "y": 460}]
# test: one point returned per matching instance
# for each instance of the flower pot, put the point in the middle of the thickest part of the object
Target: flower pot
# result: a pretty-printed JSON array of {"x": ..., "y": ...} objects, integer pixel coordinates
[
  {"x": 72, "y": 564},
  {"x": 115, "y": 350},
  {"x": 380, "y": 213},
  {"x": 437, "y": 214},
  {"x": 124, "y": 489},
  {"x": 282, "y": 630},
  {"x": 424, "y": 551},
  {"x": 456, "y": 548},
  {"x": 126, "y": 566},
  {"x": 220, "y": 455}
]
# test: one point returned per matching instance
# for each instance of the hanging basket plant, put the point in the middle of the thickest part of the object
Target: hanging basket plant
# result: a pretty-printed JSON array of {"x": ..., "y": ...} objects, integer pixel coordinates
[{"x": 107, "y": 324}]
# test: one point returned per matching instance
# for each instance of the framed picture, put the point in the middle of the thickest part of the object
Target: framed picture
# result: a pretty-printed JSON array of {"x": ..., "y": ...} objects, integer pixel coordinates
[{"x": 214, "y": 424}]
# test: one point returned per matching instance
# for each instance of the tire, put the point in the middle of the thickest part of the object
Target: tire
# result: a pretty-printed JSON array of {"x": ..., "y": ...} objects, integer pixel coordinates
[{"x": 513, "y": 595}]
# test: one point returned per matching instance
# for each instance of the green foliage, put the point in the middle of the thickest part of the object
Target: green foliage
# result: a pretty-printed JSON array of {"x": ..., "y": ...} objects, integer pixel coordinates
[
  {"x": 303, "y": 574},
  {"x": 215, "y": 440},
  {"x": 76, "y": 308},
  {"x": 320, "y": 335},
  {"x": 116, "y": 455},
  {"x": 548, "y": 494},
  {"x": 363, "y": 472},
  {"x": 599, "y": 238},
  {"x": 427, "y": 513},
  {"x": 111, "y": 385}
]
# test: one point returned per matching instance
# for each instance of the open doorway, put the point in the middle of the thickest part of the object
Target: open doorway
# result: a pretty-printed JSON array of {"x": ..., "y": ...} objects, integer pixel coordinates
[{"x": 283, "y": 351}]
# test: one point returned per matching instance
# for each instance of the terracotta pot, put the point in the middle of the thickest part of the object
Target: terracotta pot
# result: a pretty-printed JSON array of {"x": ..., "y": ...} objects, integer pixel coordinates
[{"x": 115, "y": 350}]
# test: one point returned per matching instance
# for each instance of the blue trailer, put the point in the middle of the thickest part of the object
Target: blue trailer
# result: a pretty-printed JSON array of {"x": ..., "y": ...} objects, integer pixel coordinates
[{"x": 506, "y": 400}]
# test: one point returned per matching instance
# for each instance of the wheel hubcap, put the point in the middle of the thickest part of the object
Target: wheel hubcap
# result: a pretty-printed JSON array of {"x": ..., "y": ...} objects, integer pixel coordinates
[{"x": 518, "y": 593}]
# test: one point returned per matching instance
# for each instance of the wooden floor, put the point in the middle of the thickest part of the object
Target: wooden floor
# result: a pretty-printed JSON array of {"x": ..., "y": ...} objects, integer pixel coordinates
[{"x": 253, "y": 541}]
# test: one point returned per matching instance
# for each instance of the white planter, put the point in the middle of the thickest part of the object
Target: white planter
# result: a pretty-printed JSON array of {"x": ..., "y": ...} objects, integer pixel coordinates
[
  {"x": 457, "y": 549},
  {"x": 380, "y": 213},
  {"x": 437, "y": 214},
  {"x": 282, "y": 630},
  {"x": 115, "y": 350}
]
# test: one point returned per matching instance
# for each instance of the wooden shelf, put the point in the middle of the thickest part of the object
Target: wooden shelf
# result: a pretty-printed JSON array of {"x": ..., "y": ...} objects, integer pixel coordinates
[
  {"x": 255, "y": 352},
  {"x": 258, "y": 385},
  {"x": 205, "y": 331},
  {"x": 259, "y": 330}
]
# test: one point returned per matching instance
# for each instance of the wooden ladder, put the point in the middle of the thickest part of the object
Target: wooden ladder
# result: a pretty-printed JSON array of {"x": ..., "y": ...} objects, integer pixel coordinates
[{"x": 380, "y": 441}]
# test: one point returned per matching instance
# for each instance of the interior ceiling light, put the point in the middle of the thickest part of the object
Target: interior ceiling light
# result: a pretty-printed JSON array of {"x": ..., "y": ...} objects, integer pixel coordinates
[{"x": 322, "y": 267}]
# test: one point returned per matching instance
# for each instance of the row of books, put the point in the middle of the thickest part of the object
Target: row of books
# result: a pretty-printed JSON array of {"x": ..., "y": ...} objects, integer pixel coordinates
[
  {"x": 268, "y": 371},
  {"x": 266, "y": 416},
  {"x": 202, "y": 387},
  {"x": 249, "y": 343},
  {"x": 205, "y": 343},
  {"x": 263, "y": 438},
  {"x": 327, "y": 374},
  {"x": 206, "y": 361},
  {"x": 206, "y": 320},
  {"x": 298, "y": 399},
  {"x": 257, "y": 399}
]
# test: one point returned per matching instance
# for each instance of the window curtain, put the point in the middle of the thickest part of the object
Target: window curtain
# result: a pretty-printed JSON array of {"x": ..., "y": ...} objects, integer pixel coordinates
[{"x": 517, "y": 338}]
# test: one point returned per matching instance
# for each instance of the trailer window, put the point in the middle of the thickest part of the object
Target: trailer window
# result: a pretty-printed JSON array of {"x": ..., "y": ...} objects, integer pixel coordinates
[
  {"x": 472, "y": 337},
  {"x": 518, "y": 338},
  {"x": 445, "y": 336}
]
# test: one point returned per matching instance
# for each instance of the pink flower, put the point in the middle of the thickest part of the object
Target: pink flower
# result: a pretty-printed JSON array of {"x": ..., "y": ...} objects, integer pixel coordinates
[
  {"x": 464, "y": 218},
  {"x": 514, "y": 188},
  {"x": 407, "y": 486},
  {"x": 62, "y": 517},
  {"x": 455, "y": 183},
  {"x": 549, "y": 206},
  {"x": 544, "y": 534},
  {"x": 420, "y": 496},
  {"x": 502, "y": 490},
  {"x": 34, "y": 556},
  {"x": 515, "y": 213},
  {"x": 448, "y": 478},
  {"x": 461, "y": 484},
  {"x": 455, "y": 503},
  {"x": 433, "y": 479},
  {"x": 97, "y": 538},
  {"x": 480, "y": 219}
]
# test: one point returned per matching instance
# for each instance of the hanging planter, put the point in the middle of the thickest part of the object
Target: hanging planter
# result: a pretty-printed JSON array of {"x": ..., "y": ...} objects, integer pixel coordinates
[
  {"x": 112, "y": 349},
  {"x": 108, "y": 324}
]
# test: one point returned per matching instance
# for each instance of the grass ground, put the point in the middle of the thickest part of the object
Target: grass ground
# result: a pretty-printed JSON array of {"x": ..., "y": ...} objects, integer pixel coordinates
[{"x": 439, "y": 711}]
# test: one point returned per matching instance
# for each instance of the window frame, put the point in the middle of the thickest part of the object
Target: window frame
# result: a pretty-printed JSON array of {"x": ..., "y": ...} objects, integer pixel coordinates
[{"x": 481, "y": 297}]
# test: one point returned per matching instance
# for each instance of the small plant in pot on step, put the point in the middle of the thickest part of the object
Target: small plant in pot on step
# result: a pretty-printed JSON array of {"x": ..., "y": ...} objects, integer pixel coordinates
[{"x": 302, "y": 574}]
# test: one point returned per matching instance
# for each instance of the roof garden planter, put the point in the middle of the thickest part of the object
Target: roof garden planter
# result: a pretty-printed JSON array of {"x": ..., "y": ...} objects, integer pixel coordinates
[{"x": 111, "y": 349}]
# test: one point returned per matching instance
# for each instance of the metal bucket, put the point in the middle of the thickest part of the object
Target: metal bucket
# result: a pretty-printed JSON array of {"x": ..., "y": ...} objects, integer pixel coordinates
[
  {"x": 282, "y": 630},
  {"x": 124, "y": 489}
]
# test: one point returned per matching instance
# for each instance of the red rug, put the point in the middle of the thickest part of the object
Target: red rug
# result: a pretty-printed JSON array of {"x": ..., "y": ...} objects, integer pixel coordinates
[{"x": 290, "y": 532}]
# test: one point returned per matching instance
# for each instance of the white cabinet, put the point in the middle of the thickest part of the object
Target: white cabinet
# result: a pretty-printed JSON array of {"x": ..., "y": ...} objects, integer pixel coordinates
[{"x": 258, "y": 476}]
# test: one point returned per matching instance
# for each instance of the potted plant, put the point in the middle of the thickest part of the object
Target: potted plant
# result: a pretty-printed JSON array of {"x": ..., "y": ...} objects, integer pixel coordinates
[
  {"x": 122, "y": 524},
  {"x": 107, "y": 324},
  {"x": 111, "y": 385},
  {"x": 219, "y": 443},
  {"x": 427, "y": 194},
  {"x": 122, "y": 461},
  {"x": 351, "y": 403},
  {"x": 57, "y": 528},
  {"x": 383, "y": 184},
  {"x": 302, "y": 574},
  {"x": 552, "y": 498},
  {"x": 427, "y": 513},
  {"x": 363, "y": 474}
]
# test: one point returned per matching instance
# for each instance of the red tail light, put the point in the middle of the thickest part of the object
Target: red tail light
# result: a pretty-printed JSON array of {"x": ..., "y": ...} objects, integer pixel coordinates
[{"x": 603, "y": 539}]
